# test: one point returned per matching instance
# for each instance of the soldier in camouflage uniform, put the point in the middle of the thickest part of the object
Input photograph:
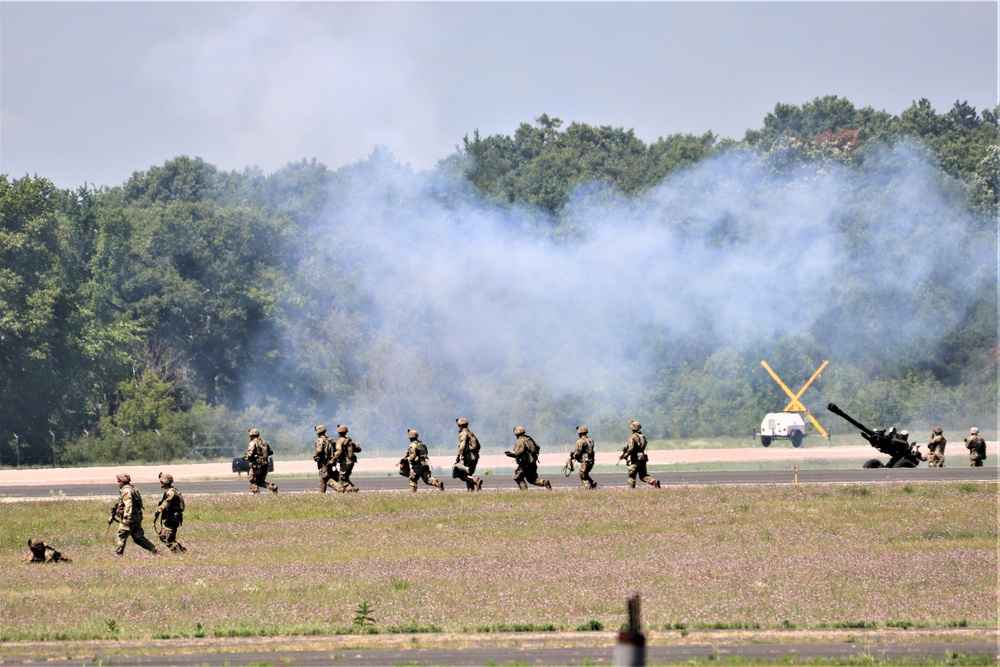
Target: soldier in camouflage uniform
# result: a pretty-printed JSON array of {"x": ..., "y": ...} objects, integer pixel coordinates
[
  {"x": 526, "y": 453},
  {"x": 635, "y": 455},
  {"x": 977, "y": 448},
  {"x": 325, "y": 461},
  {"x": 935, "y": 449},
  {"x": 129, "y": 509},
  {"x": 258, "y": 453},
  {"x": 170, "y": 510},
  {"x": 345, "y": 451},
  {"x": 43, "y": 553},
  {"x": 420, "y": 466},
  {"x": 467, "y": 457},
  {"x": 583, "y": 454}
]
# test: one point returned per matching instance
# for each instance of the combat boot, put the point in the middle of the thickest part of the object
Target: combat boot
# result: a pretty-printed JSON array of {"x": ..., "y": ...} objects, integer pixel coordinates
[
  {"x": 440, "y": 485},
  {"x": 274, "y": 489},
  {"x": 322, "y": 486},
  {"x": 479, "y": 484},
  {"x": 656, "y": 483},
  {"x": 547, "y": 484}
]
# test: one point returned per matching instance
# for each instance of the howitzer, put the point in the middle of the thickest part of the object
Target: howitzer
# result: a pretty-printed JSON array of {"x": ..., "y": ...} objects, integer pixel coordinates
[{"x": 901, "y": 452}]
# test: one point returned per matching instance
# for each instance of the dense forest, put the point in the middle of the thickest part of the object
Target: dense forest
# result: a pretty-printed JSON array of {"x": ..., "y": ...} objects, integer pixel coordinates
[{"x": 559, "y": 276}]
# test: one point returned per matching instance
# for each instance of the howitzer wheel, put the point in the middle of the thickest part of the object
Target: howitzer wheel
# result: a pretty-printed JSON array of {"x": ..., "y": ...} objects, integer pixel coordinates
[
  {"x": 905, "y": 463},
  {"x": 765, "y": 441},
  {"x": 796, "y": 439},
  {"x": 872, "y": 463}
]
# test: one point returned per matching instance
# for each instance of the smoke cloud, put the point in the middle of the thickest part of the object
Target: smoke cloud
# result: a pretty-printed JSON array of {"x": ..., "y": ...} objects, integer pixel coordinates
[{"x": 460, "y": 308}]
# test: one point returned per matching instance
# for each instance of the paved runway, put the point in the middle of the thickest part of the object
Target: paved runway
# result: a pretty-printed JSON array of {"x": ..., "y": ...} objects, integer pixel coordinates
[{"x": 386, "y": 482}]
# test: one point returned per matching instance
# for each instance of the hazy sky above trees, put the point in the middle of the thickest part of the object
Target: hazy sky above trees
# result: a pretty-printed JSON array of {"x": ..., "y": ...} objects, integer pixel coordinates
[{"x": 90, "y": 92}]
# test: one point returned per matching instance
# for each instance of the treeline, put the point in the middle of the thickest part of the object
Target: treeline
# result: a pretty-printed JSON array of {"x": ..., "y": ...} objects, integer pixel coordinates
[{"x": 159, "y": 319}]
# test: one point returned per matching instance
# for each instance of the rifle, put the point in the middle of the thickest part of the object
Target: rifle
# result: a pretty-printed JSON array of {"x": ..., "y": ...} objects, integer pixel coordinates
[
  {"x": 116, "y": 510},
  {"x": 158, "y": 529},
  {"x": 622, "y": 457},
  {"x": 568, "y": 468}
]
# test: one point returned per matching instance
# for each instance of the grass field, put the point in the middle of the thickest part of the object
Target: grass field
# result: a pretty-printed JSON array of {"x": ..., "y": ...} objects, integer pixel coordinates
[{"x": 820, "y": 556}]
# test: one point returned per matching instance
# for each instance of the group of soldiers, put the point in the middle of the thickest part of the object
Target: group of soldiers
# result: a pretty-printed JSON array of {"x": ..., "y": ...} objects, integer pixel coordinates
[
  {"x": 127, "y": 512},
  {"x": 335, "y": 460},
  {"x": 935, "y": 448},
  {"x": 415, "y": 465}
]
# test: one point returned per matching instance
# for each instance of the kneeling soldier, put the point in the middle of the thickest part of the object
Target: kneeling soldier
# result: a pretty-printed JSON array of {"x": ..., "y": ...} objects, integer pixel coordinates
[{"x": 43, "y": 553}]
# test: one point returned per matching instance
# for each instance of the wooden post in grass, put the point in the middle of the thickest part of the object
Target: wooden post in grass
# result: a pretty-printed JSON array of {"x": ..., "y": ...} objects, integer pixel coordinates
[{"x": 630, "y": 651}]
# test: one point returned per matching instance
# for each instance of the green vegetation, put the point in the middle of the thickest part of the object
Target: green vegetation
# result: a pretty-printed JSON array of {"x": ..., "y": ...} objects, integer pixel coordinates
[
  {"x": 703, "y": 558},
  {"x": 154, "y": 320}
]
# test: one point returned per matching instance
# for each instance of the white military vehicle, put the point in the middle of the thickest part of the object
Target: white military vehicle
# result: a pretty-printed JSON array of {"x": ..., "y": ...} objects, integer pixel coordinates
[{"x": 782, "y": 426}]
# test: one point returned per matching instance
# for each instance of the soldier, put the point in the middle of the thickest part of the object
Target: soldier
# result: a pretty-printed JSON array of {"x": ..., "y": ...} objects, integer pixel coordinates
[
  {"x": 345, "y": 451},
  {"x": 468, "y": 456},
  {"x": 935, "y": 449},
  {"x": 258, "y": 454},
  {"x": 420, "y": 467},
  {"x": 129, "y": 508},
  {"x": 977, "y": 448},
  {"x": 635, "y": 455},
  {"x": 170, "y": 510},
  {"x": 526, "y": 454},
  {"x": 584, "y": 455},
  {"x": 325, "y": 461},
  {"x": 43, "y": 553}
]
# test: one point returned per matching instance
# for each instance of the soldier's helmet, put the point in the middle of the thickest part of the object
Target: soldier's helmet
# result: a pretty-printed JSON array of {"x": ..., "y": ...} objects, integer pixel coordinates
[
  {"x": 35, "y": 544},
  {"x": 938, "y": 430},
  {"x": 412, "y": 435},
  {"x": 905, "y": 434},
  {"x": 320, "y": 429},
  {"x": 518, "y": 430},
  {"x": 166, "y": 478},
  {"x": 581, "y": 430},
  {"x": 253, "y": 433},
  {"x": 124, "y": 478},
  {"x": 462, "y": 421},
  {"x": 341, "y": 429},
  {"x": 974, "y": 431},
  {"x": 635, "y": 426}
]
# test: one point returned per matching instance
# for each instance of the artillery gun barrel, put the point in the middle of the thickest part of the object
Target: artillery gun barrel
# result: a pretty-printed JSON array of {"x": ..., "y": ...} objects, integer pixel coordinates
[{"x": 832, "y": 407}]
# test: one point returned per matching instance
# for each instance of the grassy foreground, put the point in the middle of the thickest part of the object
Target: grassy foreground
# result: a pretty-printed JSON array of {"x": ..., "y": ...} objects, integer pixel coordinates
[{"x": 819, "y": 556}]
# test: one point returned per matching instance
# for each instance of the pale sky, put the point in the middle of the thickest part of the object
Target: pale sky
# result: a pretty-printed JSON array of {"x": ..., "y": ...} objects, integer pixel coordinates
[{"x": 91, "y": 92}]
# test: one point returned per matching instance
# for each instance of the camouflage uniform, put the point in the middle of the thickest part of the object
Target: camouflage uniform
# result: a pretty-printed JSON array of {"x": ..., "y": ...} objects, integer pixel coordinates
[
  {"x": 346, "y": 453},
  {"x": 935, "y": 449},
  {"x": 130, "y": 505},
  {"x": 43, "y": 553},
  {"x": 977, "y": 448},
  {"x": 584, "y": 455},
  {"x": 325, "y": 461},
  {"x": 526, "y": 453},
  {"x": 635, "y": 454},
  {"x": 468, "y": 456},
  {"x": 420, "y": 467},
  {"x": 258, "y": 453},
  {"x": 170, "y": 509}
]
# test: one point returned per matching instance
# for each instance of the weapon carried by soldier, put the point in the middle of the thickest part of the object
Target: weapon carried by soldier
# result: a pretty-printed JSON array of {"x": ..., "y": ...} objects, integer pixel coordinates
[
  {"x": 567, "y": 469},
  {"x": 623, "y": 455},
  {"x": 116, "y": 515},
  {"x": 902, "y": 452}
]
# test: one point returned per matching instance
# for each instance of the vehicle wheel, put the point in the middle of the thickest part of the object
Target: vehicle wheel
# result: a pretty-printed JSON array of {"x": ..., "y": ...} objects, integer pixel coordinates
[
  {"x": 765, "y": 441},
  {"x": 796, "y": 439},
  {"x": 872, "y": 463},
  {"x": 905, "y": 463}
]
